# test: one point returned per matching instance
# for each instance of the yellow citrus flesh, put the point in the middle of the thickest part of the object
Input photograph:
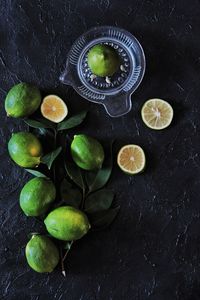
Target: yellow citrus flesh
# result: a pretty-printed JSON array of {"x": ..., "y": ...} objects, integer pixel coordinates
[
  {"x": 131, "y": 159},
  {"x": 54, "y": 108},
  {"x": 157, "y": 114}
]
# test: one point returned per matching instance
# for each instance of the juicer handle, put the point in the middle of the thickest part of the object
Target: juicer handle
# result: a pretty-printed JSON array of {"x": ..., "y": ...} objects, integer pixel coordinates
[{"x": 119, "y": 105}]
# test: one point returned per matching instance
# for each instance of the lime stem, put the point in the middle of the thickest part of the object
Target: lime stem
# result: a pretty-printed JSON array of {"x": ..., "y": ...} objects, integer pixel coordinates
[
  {"x": 62, "y": 263},
  {"x": 83, "y": 194},
  {"x": 64, "y": 257},
  {"x": 83, "y": 198},
  {"x": 54, "y": 166}
]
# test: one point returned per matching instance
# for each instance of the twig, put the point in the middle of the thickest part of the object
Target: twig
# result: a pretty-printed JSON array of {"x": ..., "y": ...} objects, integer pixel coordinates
[
  {"x": 64, "y": 257},
  {"x": 83, "y": 198},
  {"x": 83, "y": 193},
  {"x": 54, "y": 166},
  {"x": 62, "y": 262}
]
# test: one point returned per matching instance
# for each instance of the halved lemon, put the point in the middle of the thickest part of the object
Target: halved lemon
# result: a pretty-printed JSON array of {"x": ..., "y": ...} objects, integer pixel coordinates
[
  {"x": 54, "y": 108},
  {"x": 157, "y": 114},
  {"x": 131, "y": 159}
]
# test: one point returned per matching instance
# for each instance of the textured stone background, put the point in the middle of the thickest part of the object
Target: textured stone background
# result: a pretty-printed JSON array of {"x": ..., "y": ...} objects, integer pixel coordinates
[{"x": 152, "y": 251}]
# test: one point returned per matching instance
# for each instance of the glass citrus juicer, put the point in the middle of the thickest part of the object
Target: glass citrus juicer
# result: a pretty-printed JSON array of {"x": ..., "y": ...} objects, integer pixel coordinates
[{"x": 115, "y": 93}]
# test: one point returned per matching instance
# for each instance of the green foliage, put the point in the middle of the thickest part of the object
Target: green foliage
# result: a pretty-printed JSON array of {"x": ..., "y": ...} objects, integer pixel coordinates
[
  {"x": 39, "y": 123},
  {"x": 103, "y": 219},
  {"x": 80, "y": 189},
  {"x": 99, "y": 201},
  {"x": 36, "y": 173},
  {"x": 74, "y": 174},
  {"x": 49, "y": 158},
  {"x": 70, "y": 195},
  {"x": 72, "y": 122},
  {"x": 98, "y": 180}
]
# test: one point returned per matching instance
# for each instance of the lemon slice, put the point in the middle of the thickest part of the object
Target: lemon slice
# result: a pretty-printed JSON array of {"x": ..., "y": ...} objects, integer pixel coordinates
[
  {"x": 157, "y": 114},
  {"x": 54, "y": 108},
  {"x": 131, "y": 159}
]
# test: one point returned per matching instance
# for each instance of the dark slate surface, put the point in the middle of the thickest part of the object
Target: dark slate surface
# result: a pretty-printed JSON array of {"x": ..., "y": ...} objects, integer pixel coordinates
[{"x": 152, "y": 251}]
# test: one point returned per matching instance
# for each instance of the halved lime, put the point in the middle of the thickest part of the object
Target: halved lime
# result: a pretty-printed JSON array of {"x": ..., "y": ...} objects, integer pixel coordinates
[
  {"x": 157, "y": 114},
  {"x": 131, "y": 159},
  {"x": 54, "y": 108}
]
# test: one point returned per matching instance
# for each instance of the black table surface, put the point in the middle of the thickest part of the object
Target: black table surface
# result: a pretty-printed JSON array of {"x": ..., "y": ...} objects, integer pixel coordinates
[{"x": 152, "y": 250}]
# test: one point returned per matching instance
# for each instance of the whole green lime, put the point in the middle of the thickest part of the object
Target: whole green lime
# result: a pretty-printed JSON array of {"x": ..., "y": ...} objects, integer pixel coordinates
[
  {"x": 87, "y": 152},
  {"x": 41, "y": 253},
  {"x": 22, "y": 100},
  {"x": 25, "y": 149},
  {"x": 67, "y": 223},
  {"x": 103, "y": 60},
  {"x": 36, "y": 196}
]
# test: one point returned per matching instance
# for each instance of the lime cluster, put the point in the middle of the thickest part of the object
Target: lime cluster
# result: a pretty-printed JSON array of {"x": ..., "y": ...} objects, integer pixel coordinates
[{"x": 37, "y": 197}]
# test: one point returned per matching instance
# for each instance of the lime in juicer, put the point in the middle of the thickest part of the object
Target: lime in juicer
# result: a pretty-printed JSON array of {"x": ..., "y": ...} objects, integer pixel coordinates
[{"x": 113, "y": 93}]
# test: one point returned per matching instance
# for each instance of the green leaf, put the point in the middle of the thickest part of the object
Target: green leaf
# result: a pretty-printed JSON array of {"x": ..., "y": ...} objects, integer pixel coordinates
[
  {"x": 90, "y": 177},
  {"x": 98, "y": 201},
  {"x": 102, "y": 176},
  {"x": 39, "y": 124},
  {"x": 72, "y": 122},
  {"x": 104, "y": 218},
  {"x": 49, "y": 158},
  {"x": 36, "y": 173},
  {"x": 70, "y": 195},
  {"x": 43, "y": 132},
  {"x": 74, "y": 174}
]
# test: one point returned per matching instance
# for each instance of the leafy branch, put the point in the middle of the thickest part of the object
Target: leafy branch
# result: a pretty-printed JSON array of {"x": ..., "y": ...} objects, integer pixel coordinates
[
  {"x": 69, "y": 123},
  {"x": 96, "y": 200},
  {"x": 81, "y": 189}
]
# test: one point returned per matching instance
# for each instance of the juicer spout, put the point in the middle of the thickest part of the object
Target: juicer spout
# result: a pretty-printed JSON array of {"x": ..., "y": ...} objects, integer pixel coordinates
[{"x": 65, "y": 77}]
